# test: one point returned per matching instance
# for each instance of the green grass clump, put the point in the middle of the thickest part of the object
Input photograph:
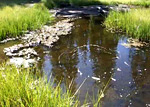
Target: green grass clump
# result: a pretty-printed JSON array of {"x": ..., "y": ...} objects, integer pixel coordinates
[
  {"x": 85, "y": 2},
  {"x": 58, "y": 3},
  {"x": 17, "y": 1},
  {"x": 20, "y": 87},
  {"x": 129, "y": 2},
  {"x": 15, "y": 20},
  {"x": 135, "y": 23}
]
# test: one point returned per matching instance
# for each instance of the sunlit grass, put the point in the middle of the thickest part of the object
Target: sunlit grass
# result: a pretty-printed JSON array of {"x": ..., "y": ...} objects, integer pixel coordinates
[
  {"x": 57, "y": 3},
  {"x": 130, "y": 2},
  {"x": 11, "y": 2},
  {"x": 14, "y": 21},
  {"x": 135, "y": 23},
  {"x": 20, "y": 87},
  {"x": 24, "y": 87}
]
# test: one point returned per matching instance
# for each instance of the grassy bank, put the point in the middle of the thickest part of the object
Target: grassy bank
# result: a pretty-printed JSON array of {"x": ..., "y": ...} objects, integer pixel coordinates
[
  {"x": 15, "y": 20},
  {"x": 21, "y": 88},
  {"x": 13, "y": 2},
  {"x": 135, "y": 23},
  {"x": 59, "y": 3},
  {"x": 144, "y": 3}
]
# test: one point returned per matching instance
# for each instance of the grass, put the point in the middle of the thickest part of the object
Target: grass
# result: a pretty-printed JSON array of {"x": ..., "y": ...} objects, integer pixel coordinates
[
  {"x": 135, "y": 23},
  {"x": 14, "y": 21},
  {"x": 58, "y": 3},
  {"x": 144, "y": 3},
  {"x": 20, "y": 87},
  {"x": 4, "y": 3},
  {"x": 17, "y": 1},
  {"x": 24, "y": 87}
]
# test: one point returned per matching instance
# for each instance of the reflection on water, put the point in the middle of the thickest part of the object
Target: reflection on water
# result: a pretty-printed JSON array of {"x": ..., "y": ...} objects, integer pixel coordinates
[
  {"x": 92, "y": 52},
  {"x": 96, "y": 55}
]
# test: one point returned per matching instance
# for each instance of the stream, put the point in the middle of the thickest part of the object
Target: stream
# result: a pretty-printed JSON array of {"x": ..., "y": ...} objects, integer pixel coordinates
[{"x": 92, "y": 55}]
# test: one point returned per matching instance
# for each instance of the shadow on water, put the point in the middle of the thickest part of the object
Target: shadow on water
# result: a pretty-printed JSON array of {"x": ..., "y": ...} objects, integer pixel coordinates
[{"x": 92, "y": 53}]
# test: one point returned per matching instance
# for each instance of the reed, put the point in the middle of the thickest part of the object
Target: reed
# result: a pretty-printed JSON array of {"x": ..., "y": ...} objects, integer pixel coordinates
[
  {"x": 144, "y": 3},
  {"x": 59, "y": 3},
  {"x": 20, "y": 87},
  {"x": 135, "y": 23},
  {"x": 14, "y": 21}
]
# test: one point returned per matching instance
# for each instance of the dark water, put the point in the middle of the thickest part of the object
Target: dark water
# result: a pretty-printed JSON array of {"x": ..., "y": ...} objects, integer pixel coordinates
[{"x": 93, "y": 55}]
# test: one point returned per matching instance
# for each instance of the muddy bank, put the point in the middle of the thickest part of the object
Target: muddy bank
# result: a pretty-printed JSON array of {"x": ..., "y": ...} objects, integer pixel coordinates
[{"x": 24, "y": 54}]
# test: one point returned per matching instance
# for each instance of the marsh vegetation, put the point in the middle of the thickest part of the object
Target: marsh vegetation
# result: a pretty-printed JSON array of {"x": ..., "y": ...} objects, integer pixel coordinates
[
  {"x": 58, "y": 3},
  {"x": 135, "y": 23},
  {"x": 17, "y": 20},
  {"x": 24, "y": 87}
]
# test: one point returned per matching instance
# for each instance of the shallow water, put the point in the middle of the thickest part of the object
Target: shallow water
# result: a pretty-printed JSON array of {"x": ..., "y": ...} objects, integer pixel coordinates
[{"x": 93, "y": 55}]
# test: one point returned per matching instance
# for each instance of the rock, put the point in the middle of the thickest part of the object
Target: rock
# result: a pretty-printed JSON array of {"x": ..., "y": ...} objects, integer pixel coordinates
[
  {"x": 120, "y": 8},
  {"x": 21, "y": 54},
  {"x": 9, "y": 39},
  {"x": 48, "y": 34},
  {"x": 15, "y": 48},
  {"x": 19, "y": 61},
  {"x": 123, "y": 6},
  {"x": 84, "y": 11},
  {"x": 87, "y": 11},
  {"x": 24, "y": 52},
  {"x": 134, "y": 43}
]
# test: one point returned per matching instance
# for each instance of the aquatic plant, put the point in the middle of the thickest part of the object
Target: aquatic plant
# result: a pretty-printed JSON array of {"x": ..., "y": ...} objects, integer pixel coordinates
[
  {"x": 14, "y": 21},
  {"x": 22, "y": 87},
  {"x": 135, "y": 23}
]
